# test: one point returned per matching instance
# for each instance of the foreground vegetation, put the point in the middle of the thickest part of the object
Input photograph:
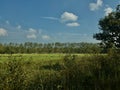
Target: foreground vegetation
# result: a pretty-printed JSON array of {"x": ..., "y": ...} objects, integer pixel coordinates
[{"x": 66, "y": 72}]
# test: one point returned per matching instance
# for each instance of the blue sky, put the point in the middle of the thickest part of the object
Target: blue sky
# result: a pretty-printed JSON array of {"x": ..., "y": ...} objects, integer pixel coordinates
[{"x": 46, "y": 21}]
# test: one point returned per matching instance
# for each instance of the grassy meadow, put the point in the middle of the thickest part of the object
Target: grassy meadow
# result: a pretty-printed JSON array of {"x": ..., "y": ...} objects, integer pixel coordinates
[
  {"x": 59, "y": 72},
  {"x": 39, "y": 57},
  {"x": 34, "y": 57}
]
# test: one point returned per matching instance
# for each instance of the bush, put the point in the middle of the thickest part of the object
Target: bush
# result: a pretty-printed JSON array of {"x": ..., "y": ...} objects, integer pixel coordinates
[{"x": 14, "y": 77}]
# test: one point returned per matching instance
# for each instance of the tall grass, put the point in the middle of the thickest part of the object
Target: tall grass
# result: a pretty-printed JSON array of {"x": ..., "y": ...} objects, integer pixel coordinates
[{"x": 72, "y": 72}]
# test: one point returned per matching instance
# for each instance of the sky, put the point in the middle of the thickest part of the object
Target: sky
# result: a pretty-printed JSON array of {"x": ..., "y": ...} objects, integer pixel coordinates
[{"x": 47, "y": 21}]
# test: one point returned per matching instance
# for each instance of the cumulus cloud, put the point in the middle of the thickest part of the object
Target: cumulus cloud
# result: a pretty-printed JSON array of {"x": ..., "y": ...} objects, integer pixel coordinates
[
  {"x": 32, "y": 33},
  {"x": 108, "y": 10},
  {"x": 45, "y": 37},
  {"x": 31, "y": 36},
  {"x": 3, "y": 32},
  {"x": 74, "y": 24},
  {"x": 31, "y": 30},
  {"x": 19, "y": 27},
  {"x": 7, "y": 22},
  {"x": 66, "y": 16},
  {"x": 95, "y": 6}
]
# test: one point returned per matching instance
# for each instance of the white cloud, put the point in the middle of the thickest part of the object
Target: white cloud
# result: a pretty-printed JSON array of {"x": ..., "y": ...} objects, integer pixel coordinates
[
  {"x": 40, "y": 31},
  {"x": 99, "y": 2},
  {"x": 45, "y": 37},
  {"x": 95, "y": 6},
  {"x": 32, "y": 33},
  {"x": 31, "y": 36},
  {"x": 31, "y": 30},
  {"x": 66, "y": 16},
  {"x": 19, "y": 27},
  {"x": 74, "y": 24},
  {"x": 108, "y": 10},
  {"x": 3, "y": 32},
  {"x": 7, "y": 22},
  {"x": 50, "y": 18}
]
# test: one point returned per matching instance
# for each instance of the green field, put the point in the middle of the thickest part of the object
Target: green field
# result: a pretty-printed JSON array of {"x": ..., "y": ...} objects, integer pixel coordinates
[
  {"x": 33, "y": 56},
  {"x": 38, "y": 57},
  {"x": 59, "y": 72}
]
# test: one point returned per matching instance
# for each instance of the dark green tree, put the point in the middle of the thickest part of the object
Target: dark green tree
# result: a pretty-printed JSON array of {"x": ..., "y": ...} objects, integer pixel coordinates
[{"x": 110, "y": 29}]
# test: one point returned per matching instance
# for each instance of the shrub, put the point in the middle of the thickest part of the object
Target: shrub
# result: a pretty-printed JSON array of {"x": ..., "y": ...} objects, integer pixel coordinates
[{"x": 15, "y": 75}]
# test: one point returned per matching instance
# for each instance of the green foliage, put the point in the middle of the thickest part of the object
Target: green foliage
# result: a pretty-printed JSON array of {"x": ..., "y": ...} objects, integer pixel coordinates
[
  {"x": 29, "y": 47},
  {"x": 69, "y": 60},
  {"x": 110, "y": 29},
  {"x": 14, "y": 75},
  {"x": 73, "y": 72}
]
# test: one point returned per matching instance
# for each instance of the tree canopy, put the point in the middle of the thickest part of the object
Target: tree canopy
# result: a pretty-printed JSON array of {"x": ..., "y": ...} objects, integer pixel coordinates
[{"x": 110, "y": 29}]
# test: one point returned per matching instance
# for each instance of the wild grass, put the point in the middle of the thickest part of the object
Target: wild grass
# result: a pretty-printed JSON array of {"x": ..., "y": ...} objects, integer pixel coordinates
[{"x": 63, "y": 72}]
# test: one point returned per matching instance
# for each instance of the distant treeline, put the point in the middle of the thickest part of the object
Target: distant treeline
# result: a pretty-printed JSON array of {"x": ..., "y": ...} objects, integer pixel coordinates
[{"x": 29, "y": 47}]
